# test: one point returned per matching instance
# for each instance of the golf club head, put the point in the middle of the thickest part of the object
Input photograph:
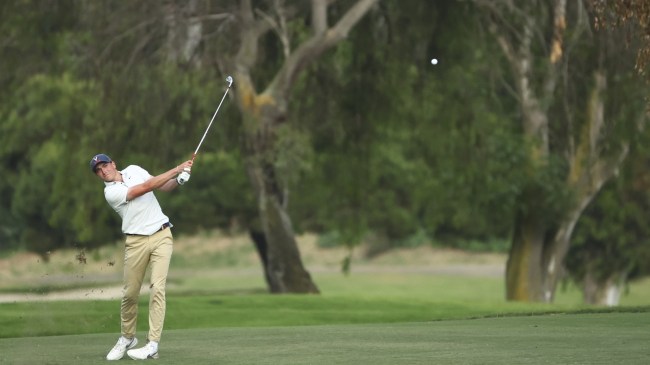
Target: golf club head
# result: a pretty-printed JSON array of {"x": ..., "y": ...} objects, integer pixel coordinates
[{"x": 229, "y": 80}]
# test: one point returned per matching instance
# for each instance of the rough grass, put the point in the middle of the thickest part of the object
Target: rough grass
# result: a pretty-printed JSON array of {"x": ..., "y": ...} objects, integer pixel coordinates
[
  {"x": 30, "y": 319},
  {"x": 211, "y": 263}
]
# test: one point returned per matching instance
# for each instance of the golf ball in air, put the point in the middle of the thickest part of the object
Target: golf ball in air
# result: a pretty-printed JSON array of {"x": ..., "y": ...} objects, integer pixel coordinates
[{"x": 434, "y": 61}]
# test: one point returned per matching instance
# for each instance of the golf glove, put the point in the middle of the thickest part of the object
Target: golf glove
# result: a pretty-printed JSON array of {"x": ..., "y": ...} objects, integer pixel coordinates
[{"x": 183, "y": 177}]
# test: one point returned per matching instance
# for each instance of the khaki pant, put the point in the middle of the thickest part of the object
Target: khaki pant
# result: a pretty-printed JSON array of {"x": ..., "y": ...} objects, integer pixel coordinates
[{"x": 139, "y": 252}]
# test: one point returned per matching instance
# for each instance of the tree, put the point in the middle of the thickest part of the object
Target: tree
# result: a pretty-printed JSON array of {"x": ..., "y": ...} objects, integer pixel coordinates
[
  {"x": 265, "y": 112},
  {"x": 611, "y": 242},
  {"x": 570, "y": 154}
]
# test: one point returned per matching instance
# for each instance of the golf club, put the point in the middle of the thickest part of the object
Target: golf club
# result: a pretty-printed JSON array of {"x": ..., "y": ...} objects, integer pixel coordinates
[{"x": 229, "y": 80}]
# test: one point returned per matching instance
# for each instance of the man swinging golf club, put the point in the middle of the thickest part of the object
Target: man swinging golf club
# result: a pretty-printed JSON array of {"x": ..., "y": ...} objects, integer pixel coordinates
[{"x": 149, "y": 242}]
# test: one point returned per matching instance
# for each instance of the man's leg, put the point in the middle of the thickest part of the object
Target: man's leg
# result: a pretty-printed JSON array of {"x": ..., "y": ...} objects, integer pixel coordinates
[
  {"x": 160, "y": 257},
  {"x": 136, "y": 259}
]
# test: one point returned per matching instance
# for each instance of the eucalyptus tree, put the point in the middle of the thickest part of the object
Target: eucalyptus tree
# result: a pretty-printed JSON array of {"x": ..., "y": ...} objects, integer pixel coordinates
[
  {"x": 265, "y": 111},
  {"x": 564, "y": 75},
  {"x": 611, "y": 245}
]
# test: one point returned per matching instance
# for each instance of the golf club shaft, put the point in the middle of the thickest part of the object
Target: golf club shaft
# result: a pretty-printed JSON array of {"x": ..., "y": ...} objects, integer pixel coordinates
[{"x": 229, "y": 80}]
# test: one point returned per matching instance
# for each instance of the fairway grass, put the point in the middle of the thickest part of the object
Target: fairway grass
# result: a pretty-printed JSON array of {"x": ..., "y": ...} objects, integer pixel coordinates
[
  {"x": 414, "y": 307},
  {"x": 596, "y": 338}
]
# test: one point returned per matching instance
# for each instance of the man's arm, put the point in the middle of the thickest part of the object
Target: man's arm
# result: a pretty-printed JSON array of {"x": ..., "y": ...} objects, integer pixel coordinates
[
  {"x": 163, "y": 181},
  {"x": 170, "y": 185}
]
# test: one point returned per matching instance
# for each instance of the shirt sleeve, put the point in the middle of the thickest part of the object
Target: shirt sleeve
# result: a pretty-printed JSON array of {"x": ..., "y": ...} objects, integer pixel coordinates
[{"x": 116, "y": 194}]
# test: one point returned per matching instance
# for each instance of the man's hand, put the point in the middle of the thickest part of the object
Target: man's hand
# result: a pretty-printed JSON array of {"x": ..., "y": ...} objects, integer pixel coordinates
[{"x": 184, "y": 176}]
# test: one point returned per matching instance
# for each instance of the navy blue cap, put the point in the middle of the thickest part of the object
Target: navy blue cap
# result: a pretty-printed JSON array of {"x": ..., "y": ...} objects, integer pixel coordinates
[{"x": 97, "y": 159}]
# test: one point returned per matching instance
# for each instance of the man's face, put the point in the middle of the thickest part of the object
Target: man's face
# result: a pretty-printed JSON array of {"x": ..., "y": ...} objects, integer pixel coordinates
[{"x": 106, "y": 171}]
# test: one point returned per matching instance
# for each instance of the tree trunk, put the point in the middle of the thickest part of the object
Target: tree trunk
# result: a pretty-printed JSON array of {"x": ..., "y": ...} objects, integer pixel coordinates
[
  {"x": 283, "y": 266},
  {"x": 556, "y": 250},
  {"x": 603, "y": 291},
  {"x": 261, "y": 246},
  {"x": 523, "y": 272},
  {"x": 589, "y": 171},
  {"x": 284, "y": 270}
]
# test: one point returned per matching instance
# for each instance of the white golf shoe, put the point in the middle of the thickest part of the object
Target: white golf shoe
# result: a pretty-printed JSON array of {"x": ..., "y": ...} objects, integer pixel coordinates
[
  {"x": 123, "y": 344},
  {"x": 149, "y": 351}
]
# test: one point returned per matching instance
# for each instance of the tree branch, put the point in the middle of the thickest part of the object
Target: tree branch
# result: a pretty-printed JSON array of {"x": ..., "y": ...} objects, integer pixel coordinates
[
  {"x": 280, "y": 28},
  {"x": 319, "y": 16},
  {"x": 317, "y": 44}
]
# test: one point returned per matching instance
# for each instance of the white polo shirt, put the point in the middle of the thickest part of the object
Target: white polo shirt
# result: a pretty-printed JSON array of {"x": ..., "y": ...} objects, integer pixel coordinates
[{"x": 141, "y": 215}]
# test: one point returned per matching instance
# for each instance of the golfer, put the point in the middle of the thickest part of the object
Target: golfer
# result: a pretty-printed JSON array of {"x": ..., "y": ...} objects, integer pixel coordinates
[{"x": 149, "y": 241}]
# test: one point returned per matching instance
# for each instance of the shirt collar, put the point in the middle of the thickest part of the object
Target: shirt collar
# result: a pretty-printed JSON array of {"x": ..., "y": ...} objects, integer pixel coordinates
[{"x": 115, "y": 182}]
